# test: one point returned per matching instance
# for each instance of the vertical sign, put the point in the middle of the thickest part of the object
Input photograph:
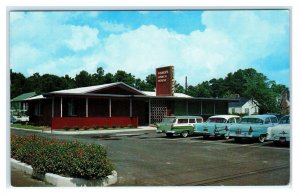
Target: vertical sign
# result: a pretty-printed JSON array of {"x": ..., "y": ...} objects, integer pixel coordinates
[{"x": 165, "y": 81}]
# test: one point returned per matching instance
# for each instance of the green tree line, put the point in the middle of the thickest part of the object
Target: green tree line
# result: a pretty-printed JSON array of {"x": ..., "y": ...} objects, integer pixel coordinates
[{"x": 244, "y": 82}]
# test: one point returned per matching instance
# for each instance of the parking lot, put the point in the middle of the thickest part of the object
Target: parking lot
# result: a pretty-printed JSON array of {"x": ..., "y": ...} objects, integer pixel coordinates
[{"x": 145, "y": 158}]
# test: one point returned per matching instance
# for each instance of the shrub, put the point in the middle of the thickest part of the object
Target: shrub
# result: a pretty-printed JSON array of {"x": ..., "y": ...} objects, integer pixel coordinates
[
  {"x": 76, "y": 128},
  {"x": 105, "y": 127},
  {"x": 66, "y": 158},
  {"x": 113, "y": 126},
  {"x": 85, "y": 127},
  {"x": 66, "y": 128},
  {"x": 121, "y": 126},
  {"x": 95, "y": 127},
  {"x": 130, "y": 126}
]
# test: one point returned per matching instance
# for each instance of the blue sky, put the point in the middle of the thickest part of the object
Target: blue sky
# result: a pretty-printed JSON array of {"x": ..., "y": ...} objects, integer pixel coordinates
[{"x": 200, "y": 44}]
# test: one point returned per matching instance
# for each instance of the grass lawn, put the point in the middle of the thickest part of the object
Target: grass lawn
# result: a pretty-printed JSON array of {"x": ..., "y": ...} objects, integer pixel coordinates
[{"x": 28, "y": 126}]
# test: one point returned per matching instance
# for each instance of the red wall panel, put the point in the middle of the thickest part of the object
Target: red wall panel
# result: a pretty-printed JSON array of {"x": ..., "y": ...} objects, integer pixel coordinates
[{"x": 60, "y": 123}]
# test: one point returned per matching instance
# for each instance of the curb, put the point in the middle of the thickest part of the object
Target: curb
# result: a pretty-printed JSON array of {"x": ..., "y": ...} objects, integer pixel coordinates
[
  {"x": 86, "y": 132},
  {"x": 61, "y": 181}
]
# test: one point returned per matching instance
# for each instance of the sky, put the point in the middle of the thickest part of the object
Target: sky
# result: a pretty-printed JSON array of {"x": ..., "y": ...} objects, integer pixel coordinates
[{"x": 201, "y": 45}]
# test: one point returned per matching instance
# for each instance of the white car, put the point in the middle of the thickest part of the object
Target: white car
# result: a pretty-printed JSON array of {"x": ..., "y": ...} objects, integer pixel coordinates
[{"x": 281, "y": 132}]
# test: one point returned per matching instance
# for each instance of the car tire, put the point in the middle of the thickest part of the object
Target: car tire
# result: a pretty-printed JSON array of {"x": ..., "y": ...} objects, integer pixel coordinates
[
  {"x": 261, "y": 138},
  {"x": 184, "y": 134},
  {"x": 276, "y": 143},
  {"x": 237, "y": 139},
  {"x": 169, "y": 134}
]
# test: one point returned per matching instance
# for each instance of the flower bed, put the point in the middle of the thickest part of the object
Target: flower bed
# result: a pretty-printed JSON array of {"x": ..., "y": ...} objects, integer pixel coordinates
[{"x": 65, "y": 158}]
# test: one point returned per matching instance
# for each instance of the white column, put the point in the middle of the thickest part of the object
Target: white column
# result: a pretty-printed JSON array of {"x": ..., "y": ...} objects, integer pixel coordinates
[
  {"x": 53, "y": 107},
  {"x": 149, "y": 111},
  {"x": 86, "y": 107},
  {"x": 130, "y": 107},
  {"x": 61, "y": 108},
  {"x": 110, "y": 107}
]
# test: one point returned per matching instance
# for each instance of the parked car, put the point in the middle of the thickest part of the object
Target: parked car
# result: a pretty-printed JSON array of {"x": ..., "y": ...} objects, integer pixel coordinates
[
  {"x": 178, "y": 125},
  {"x": 19, "y": 119},
  {"x": 281, "y": 132},
  {"x": 216, "y": 126},
  {"x": 253, "y": 126}
]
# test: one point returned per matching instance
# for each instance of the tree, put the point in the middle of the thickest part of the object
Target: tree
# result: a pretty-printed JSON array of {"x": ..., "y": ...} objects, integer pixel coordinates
[
  {"x": 83, "y": 79},
  {"x": 122, "y": 76},
  {"x": 17, "y": 81}
]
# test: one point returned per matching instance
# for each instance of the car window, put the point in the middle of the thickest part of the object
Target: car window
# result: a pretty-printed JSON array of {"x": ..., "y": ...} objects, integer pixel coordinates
[
  {"x": 267, "y": 121},
  {"x": 192, "y": 120},
  {"x": 285, "y": 120},
  {"x": 182, "y": 121},
  {"x": 168, "y": 120},
  {"x": 231, "y": 120},
  {"x": 238, "y": 119},
  {"x": 199, "y": 120},
  {"x": 274, "y": 120},
  {"x": 216, "y": 120},
  {"x": 251, "y": 121}
]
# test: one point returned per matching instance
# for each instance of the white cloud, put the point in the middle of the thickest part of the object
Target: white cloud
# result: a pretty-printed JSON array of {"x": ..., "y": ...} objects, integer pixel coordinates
[
  {"x": 231, "y": 40},
  {"x": 82, "y": 37},
  {"x": 113, "y": 27}
]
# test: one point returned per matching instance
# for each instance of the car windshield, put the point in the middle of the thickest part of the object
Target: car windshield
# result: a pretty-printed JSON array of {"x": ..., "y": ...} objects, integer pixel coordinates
[
  {"x": 216, "y": 120},
  {"x": 285, "y": 120},
  {"x": 168, "y": 120},
  {"x": 251, "y": 121}
]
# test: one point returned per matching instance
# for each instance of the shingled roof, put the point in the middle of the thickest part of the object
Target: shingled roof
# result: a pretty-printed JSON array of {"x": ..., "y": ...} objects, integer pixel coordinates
[
  {"x": 24, "y": 96},
  {"x": 240, "y": 103}
]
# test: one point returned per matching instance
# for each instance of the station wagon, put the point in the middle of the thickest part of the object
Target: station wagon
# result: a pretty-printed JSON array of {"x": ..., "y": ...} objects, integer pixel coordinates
[
  {"x": 281, "y": 132},
  {"x": 253, "y": 126},
  {"x": 216, "y": 126},
  {"x": 178, "y": 125}
]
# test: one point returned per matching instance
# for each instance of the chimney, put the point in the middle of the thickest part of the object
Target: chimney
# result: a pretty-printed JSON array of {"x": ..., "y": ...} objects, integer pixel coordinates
[{"x": 186, "y": 85}]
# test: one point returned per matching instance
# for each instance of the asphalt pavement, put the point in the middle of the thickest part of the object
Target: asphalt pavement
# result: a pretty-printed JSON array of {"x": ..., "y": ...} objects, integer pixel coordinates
[{"x": 144, "y": 158}]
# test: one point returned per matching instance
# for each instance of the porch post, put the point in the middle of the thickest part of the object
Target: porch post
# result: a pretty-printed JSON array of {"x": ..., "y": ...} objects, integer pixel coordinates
[
  {"x": 130, "y": 107},
  {"x": 86, "y": 107},
  {"x": 61, "y": 108},
  {"x": 109, "y": 107},
  {"x": 53, "y": 107},
  {"x": 149, "y": 111}
]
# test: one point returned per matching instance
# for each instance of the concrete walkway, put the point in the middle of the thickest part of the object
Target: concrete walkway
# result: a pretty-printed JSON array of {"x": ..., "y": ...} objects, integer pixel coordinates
[
  {"x": 82, "y": 132},
  {"x": 20, "y": 179}
]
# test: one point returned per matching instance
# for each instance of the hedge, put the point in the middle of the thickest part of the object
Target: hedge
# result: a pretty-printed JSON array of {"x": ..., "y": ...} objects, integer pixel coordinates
[{"x": 66, "y": 158}]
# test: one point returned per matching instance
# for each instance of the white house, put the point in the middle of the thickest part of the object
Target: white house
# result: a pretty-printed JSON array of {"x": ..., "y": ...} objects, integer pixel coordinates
[{"x": 244, "y": 106}]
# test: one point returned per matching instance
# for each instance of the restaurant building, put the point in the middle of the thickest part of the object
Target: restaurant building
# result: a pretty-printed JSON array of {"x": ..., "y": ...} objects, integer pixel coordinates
[{"x": 118, "y": 104}]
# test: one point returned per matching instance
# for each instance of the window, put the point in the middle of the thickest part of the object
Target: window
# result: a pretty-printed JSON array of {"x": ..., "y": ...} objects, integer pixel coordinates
[
  {"x": 231, "y": 120},
  {"x": 247, "y": 110},
  {"x": 274, "y": 120},
  {"x": 180, "y": 121},
  {"x": 199, "y": 120},
  {"x": 216, "y": 120},
  {"x": 71, "y": 108},
  {"x": 285, "y": 120},
  {"x": 192, "y": 120},
  {"x": 38, "y": 109},
  {"x": 232, "y": 110},
  {"x": 267, "y": 121}
]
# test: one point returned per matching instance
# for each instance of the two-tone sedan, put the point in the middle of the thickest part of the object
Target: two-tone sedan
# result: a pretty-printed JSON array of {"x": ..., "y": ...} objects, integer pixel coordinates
[
  {"x": 216, "y": 126},
  {"x": 280, "y": 134},
  {"x": 253, "y": 127}
]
